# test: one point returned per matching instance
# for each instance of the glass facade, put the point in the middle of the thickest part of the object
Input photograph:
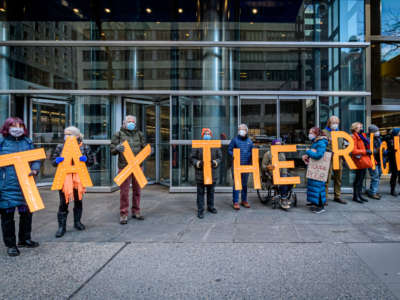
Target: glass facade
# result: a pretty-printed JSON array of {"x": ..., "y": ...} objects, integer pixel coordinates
[{"x": 311, "y": 63}]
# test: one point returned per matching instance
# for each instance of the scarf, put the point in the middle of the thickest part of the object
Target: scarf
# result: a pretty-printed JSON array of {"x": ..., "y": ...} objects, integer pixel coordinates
[
  {"x": 364, "y": 139},
  {"x": 72, "y": 182}
]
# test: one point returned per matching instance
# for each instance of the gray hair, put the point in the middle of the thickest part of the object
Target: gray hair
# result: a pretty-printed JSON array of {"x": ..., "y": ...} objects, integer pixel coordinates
[
  {"x": 74, "y": 131},
  {"x": 129, "y": 117},
  {"x": 243, "y": 125}
]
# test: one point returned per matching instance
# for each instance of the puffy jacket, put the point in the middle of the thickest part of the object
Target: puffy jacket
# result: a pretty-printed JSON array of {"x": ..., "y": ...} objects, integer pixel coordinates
[
  {"x": 135, "y": 140},
  {"x": 316, "y": 188},
  {"x": 197, "y": 155},
  {"x": 85, "y": 150},
  {"x": 10, "y": 190},
  {"x": 392, "y": 150},
  {"x": 359, "y": 154},
  {"x": 245, "y": 145}
]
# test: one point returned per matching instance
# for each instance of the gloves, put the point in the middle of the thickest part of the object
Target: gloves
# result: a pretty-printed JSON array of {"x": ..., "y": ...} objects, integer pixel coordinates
[
  {"x": 83, "y": 158},
  {"x": 215, "y": 163},
  {"x": 59, "y": 159},
  {"x": 35, "y": 172},
  {"x": 369, "y": 152},
  {"x": 120, "y": 148},
  {"x": 199, "y": 164},
  {"x": 270, "y": 167}
]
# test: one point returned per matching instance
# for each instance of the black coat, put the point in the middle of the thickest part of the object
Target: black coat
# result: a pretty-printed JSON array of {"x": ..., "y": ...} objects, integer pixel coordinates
[
  {"x": 85, "y": 150},
  {"x": 197, "y": 155}
]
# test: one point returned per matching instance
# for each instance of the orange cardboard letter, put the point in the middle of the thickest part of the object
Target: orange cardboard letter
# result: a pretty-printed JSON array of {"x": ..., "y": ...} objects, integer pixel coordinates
[
  {"x": 238, "y": 169},
  {"x": 342, "y": 152},
  {"x": 396, "y": 146},
  {"x": 71, "y": 153},
  {"x": 133, "y": 166},
  {"x": 206, "y": 146},
  {"x": 385, "y": 168},
  {"x": 276, "y": 174},
  {"x": 371, "y": 147},
  {"x": 21, "y": 160}
]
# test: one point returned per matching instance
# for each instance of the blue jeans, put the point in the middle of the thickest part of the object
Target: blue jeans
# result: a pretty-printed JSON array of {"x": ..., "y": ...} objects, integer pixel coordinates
[
  {"x": 245, "y": 178},
  {"x": 375, "y": 178}
]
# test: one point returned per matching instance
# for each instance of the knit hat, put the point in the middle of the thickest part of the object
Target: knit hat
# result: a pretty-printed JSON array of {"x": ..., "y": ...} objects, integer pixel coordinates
[
  {"x": 395, "y": 131},
  {"x": 274, "y": 142},
  {"x": 206, "y": 130},
  {"x": 372, "y": 128}
]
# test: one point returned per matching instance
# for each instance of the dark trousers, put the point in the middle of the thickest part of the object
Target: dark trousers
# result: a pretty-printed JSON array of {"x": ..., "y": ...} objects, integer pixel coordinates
[
  {"x": 394, "y": 177},
  {"x": 64, "y": 205},
  {"x": 359, "y": 181},
  {"x": 8, "y": 225},
  {"x": 200, "y": 196}
]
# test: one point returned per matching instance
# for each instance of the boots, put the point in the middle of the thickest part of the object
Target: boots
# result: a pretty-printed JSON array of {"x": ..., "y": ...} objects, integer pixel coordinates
[
  {"x": 361, "y": 197},
  {"x": 393, "y": 191},
  {"x": 77, "y": 218},
  {"x": 356, "y": 195},
  {"x": 62, "y": 224}
]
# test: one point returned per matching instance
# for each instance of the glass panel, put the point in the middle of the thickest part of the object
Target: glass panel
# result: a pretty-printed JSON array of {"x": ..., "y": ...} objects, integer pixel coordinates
[
  {"x": 48, "y": 122},
  {"x": 273, "y": 20},
  {"x": 164, "y": 143},
  {"x": 260, "y": 116},
  {"x": 183, "y": 173},
  {"x": 214, "y": 68},
  {"x": 385, "y": 74},
  {"x": 296, "y": 118},
  {"x": 191, "y": 114},
  {"x": 100, "y": 172},
  {"x": 390, "y": 13},
  {"x": 386, "y": 120}
]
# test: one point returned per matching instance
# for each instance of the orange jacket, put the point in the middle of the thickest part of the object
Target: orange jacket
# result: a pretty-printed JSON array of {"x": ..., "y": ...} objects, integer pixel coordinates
[{"x": 360, "y": 157}]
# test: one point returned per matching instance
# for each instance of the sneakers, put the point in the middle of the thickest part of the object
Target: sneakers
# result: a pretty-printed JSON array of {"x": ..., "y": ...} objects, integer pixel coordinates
[
  {"x": 123, "y": 220},
  {"x": 245, "y": 204},
  {"x": 374, "y": 196},
  {"x": 138, "y": 217},
  {"x": 236, "y": 206},
  {"x": 318, "y": 210}
]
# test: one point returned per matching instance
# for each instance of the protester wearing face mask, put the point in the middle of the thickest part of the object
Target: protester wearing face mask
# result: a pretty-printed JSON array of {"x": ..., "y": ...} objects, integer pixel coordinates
[
  {"x": 395, "y": 175},
  {"x": 244, "y": 143},
  {"x": 198, "y": 163},
  {"x": 316, "y": 189},
  {"x": 15, "y": 139},
  {"x": 73, "y": 189},
  {"x": 361, "y": 157},
  {"x": 375, "y": 174},
  {"x": 333, "y": 125},
  {"x": 130, "y": 133}
]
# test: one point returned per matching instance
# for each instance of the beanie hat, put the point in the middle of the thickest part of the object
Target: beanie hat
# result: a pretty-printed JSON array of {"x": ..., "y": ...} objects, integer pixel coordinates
[
  {"x": 395, "y": 131},
  {"x": 205, "y": 130},
  {"x": 274, "y": 142},
  {"x": 372, "y": 128}
]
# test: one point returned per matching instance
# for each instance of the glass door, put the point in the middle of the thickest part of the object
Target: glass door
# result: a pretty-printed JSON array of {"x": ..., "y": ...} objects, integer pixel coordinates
[
  {"x": 48, "y": 120},
  {"x": 145, "y": 113},
  {"x": 164, "y": 145}
]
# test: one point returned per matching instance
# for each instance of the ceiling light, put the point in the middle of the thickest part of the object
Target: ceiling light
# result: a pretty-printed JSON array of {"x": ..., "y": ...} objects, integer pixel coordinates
[
  {"x": 254, "y": 11},
  {"x": 107, "y": 10},
  {"x": 76, "y": 10},
  {"x": 252, "y": 23},
  {"x": 148, "y": 10},
  {"x": 2, "y": 9},
  {"x": 158, "y": 22},
  {"x": 180, "y": 10}
]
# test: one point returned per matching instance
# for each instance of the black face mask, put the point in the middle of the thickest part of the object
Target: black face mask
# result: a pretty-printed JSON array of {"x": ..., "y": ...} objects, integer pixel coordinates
[{"x": 361, "y": 131}]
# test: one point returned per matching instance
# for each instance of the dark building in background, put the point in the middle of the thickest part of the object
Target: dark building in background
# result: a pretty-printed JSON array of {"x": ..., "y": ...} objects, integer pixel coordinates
[{"x": 281, "y": 66}]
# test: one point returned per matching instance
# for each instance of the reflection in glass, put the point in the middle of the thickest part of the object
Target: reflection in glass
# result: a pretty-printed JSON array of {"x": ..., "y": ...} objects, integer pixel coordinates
[
  {"x": 100, "y": 172},
  {"x": 386, "y": 120}
]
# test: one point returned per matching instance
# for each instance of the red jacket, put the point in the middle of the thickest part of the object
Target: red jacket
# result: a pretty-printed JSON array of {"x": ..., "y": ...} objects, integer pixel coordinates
[{"x": 360, "y": 157}]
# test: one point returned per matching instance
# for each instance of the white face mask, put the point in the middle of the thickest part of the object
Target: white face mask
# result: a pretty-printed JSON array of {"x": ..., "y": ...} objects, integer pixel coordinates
[
  {"x": 334, "y": 126},
  {"x": 242, "y": 132},
  {"x": 377, "y": 134},
  {"x": 311, "y": 136}
]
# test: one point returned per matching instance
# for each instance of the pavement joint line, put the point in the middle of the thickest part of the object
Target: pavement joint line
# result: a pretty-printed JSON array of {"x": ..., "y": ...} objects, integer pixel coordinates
[{"x": 98, "y": 271}]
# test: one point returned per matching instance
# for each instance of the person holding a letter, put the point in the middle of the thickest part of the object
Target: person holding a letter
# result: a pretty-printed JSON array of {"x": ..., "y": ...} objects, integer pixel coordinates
[
  {"x": 72, "y": 188},
  {"x": 375, "y": 173},
  {"x": 15, "y": 139},
  {"x": 197, "y": 160},
  {"x": 361, "y": 157},
  {"x": 315, "y": 188},
  {"x": 395, "y": 174},
  {"x": 130, "y": 133}
]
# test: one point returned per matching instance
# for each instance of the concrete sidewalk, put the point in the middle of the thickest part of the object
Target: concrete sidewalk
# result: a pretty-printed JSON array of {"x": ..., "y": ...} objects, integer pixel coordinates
[{"x": 351, "y": 251}]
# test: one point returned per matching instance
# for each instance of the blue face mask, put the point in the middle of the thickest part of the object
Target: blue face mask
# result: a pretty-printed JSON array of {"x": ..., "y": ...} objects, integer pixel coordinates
[
  {"x": 130, "y": 126},
  {"x": 207, "y": 137}
]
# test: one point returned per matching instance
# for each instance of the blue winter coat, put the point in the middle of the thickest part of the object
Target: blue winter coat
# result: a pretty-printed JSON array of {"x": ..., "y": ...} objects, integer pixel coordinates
[
  {"x": 10, "y": 190},
  {"x": 245, "y": 145},
  {"x": 315, "y": 188}
]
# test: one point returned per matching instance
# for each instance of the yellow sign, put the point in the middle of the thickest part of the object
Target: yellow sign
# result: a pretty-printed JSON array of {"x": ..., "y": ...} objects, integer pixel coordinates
[
  {"x": 206, "y": 146},
  {"x": 371, "y": 147},
  {"x": 20, "y": 161},
  {"x": 385, "y": 168},
  {"x": 71, "y": 164},
  {"x": 133, "y": 166},
  {"x": 238, "y": 169},
  {"x": 342, "y": 152},
  {"x": 396, "y": 147},
  {"x": 289, "y": 164}
]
